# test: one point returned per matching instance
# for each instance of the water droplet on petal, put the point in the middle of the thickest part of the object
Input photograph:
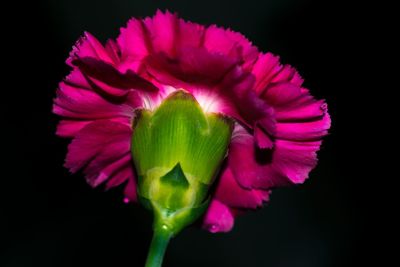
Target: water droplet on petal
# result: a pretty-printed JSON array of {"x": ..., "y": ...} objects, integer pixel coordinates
[
  {"x": 126, "y": 200},
  {"x": 213, "y": 228}
]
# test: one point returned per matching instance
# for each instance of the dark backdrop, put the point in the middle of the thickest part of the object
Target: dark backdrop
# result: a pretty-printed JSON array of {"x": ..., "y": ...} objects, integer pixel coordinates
[{"x": 51, "y": 218}]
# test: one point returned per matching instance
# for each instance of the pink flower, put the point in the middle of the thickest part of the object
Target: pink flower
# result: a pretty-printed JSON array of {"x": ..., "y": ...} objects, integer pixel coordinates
[{"x": 278, "y": 124}]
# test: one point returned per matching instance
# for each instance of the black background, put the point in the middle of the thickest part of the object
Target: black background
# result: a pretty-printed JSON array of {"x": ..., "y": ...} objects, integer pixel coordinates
[{"x": 51, "y": 218}]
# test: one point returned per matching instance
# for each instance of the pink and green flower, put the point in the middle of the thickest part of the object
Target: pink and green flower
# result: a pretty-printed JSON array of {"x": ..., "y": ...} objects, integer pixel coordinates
[{"x": 171, "y": 107}]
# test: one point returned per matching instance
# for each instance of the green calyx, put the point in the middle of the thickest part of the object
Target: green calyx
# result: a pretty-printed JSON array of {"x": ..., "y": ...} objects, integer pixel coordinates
[{"x": 177, "y": 151}]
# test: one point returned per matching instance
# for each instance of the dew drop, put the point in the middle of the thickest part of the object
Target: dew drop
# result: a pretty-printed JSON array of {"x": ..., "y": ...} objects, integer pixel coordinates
[
  {"x": 213, "y": 228},
  {"x": 126, "y": 200}
]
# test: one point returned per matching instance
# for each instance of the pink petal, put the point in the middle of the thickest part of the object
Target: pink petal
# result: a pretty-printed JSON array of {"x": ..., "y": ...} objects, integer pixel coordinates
[
  {"x": 253, "y": 112},
  {"x": 288, "y": 74},
  {"x": 248, "y": 51},
  {"x": 264, "y": 70},
  {"x": 109, "y": 154},
  {"x": 299, "y": 116},
  {"x": 81, "y": 107},
  {"x": 69, "y": 128},
  {"x": 113, "y": 51},
  {"x": 304, "y": 131},
  {"x": 110, "y": 80},
  {"x": 77, "y": 79},
  {"x": 232, "y": 194},
  {"x": 130, "y": 189},
  {"x": 191, "y": 67},
  {"x": 262, "y": 138},
  {"x": 295, "y": 160},
  {"x": 122, "y": 175},
  {"x": 163, "y": 30},
  {"x": 231, "y": 44},
  {"x": 73, "y": 102},
  {"x": 216, "y": 40},
  {"x": 268, "y": 71},
  {"x": 108, "y": 166},
  {"x": 218, "y": 218},
  {"x": 89, "y": 46},
  {"x": 134, "y": 41},
  {"x": 190, "y": 34},
  {"x": 309, "y": 109},
  {"x": 282, "y": 94},
  {"x": 168, "y": 34},
  {"x": 293, "y": 103},
  {"x": 287, "y": 163},
  {"x": 98, "y": 144},
  {"x": 245, "y": 105}
]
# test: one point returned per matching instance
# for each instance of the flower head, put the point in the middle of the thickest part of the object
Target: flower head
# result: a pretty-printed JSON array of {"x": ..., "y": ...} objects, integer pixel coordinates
[{"x": 277, "y": 124}]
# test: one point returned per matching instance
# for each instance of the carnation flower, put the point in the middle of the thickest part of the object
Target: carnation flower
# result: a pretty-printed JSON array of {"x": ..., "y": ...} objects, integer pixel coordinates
[{"x": 116, "y": 96}]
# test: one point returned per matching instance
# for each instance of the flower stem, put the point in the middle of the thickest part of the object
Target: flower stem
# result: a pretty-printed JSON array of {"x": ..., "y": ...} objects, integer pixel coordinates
[{"x": 158, "y": 246}]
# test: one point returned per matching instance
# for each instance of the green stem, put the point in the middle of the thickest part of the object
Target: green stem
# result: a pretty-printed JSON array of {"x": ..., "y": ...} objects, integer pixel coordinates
[{"x": 158, "y": 246}]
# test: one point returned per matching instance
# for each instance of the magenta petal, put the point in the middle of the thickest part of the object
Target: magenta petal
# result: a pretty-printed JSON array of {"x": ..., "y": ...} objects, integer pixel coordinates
[
  {"x": 121, "y": 176},
  {"x": 130, "y": 191},
  {"x": 118, "y": 176},
  {"x": 77, "y": 79},
  {"x": 295, "y": 160},
  {"x": 248, "y": 51},
  {"x": 293, "y": 103},
  {"x": 191, "y": 34},
  {"x": 231, "y": 44},
  {"x": 89, "y": 46},
  {"x": 300, "y": 117},
  {"x": 193, "y": 66},
  {"x": 110, "y": 80},
  {"x": 251, "y": 168},
  {"x": 262, "y": 138},
  {"x": 216, "y": 40},
  {"x": 268, "y": 72},
  {"x": 113, "y": 51},
  {"x": 81, "y": 107},
  {"x": 232, "y": 194},
  {"x": 266, "y": 67},
  {"x": 310, "y": 109},
  {"x": 247, "y": 107},
  {"x": 111, "y": 166},
  {"x": 133, "y": 41},
  {"x": 69, "y": 128},
  {"x": 288, "y": 74},
  {"x": 79, "y": 103},
  {"x": 304, "y": 131},
  {"x": 218, "y": 218},
  {"x": 283, "y": 94},
  {"x": 163, "y": 31},
  {"x": 106, "y": 158},
  {"x": 260, "y": 116},
  {"x": 98, "y": 144},
  {"x": 289, "y": 162}
]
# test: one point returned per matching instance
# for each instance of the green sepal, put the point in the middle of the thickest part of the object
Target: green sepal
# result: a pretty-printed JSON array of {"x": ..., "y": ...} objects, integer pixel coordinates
[
  {"x": 175, "y": 178},
  {"x": 178, "y": 131},
  {"x": 174, "y": 190},
  {"x": 177, "y": 151},
  {"x": 175, "y": 221}
]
